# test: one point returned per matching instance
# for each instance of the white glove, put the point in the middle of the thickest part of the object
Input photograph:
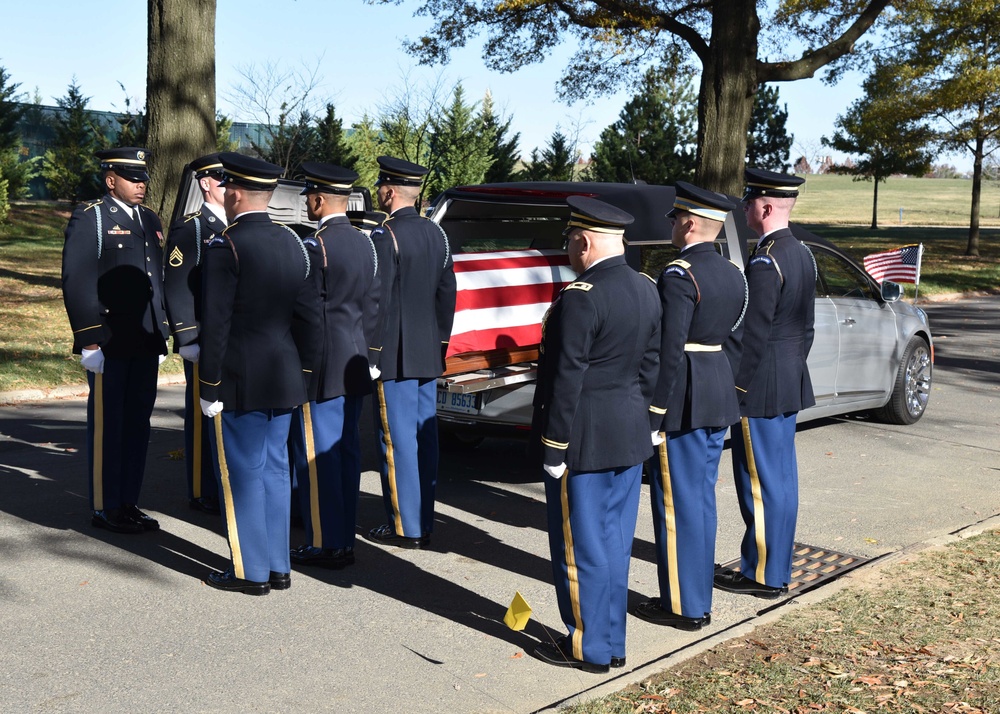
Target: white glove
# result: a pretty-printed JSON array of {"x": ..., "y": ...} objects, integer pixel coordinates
[
  {"x": 374, "y": 372},
  {"x": 190, "y": 352},
  {"x": 555, "y": 472},
  {"x": 657, "y": 437},
  {"x": 162, "y": 359},
  {"x": 210, "y": 409},
  {"x": 92, "y": 360}
]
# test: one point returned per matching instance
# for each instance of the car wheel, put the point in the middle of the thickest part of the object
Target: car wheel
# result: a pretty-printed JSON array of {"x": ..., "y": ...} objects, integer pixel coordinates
[
  {"x": 912, "y": 386},
  {"x": 458, "y": 440}
]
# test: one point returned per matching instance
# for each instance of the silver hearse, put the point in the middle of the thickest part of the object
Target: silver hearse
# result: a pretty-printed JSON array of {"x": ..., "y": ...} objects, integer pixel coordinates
[{"x": 871, "y": 351}]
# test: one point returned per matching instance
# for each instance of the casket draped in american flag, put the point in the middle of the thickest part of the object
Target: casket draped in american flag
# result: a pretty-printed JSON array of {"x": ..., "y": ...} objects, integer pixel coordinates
[{"x": 503, "y": 296}]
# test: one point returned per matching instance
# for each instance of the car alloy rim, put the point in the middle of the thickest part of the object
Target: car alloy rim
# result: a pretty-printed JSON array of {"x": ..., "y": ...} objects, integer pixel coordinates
[{"x": 918, "y": 380}]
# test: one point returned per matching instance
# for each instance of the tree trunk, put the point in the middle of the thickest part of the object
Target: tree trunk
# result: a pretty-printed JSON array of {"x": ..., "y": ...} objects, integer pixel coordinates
[
  {"x": 180, "y": 93},
  {"x": 725, "y": 99},
  {"x": 977, "y": 187},
  {"x": 875, "y": 207}
]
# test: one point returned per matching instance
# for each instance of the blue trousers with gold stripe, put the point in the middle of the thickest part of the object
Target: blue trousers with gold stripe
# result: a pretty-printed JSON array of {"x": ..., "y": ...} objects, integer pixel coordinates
[
  {"x": 201, "y": 481},
  {"x": 591, "y": 520},
  {"x": 406, "y": 416},
  {"x": 767, "y": 485},
  {"x": 326, "y": 450},
  {"x": 682, "y": 488},
  {"x": 251, "y": 450},
  {"x": 118, "y": 410}
]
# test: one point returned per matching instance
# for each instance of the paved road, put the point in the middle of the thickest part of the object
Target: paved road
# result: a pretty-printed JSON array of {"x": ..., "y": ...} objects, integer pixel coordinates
[{"x": 100, "y": 622}]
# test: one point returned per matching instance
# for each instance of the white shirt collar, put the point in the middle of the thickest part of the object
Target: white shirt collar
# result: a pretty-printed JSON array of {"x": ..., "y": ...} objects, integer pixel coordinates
[{"x": 216, "y": 210}]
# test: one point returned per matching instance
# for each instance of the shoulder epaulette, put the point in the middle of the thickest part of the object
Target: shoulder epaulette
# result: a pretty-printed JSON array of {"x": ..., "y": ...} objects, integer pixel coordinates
[
  {"x": 650, "y": 278},
  {"x": 91, "y": 204},
  {"x": 189, "y": 216},
  {"x": 579, "y": 286},
  {"x": 682, "y": 268}
]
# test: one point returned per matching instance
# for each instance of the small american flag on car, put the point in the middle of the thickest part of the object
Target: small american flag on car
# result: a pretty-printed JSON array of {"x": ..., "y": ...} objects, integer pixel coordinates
[
  {"x": 502, "y": 297},
  {"x": 901, "y": 265}
]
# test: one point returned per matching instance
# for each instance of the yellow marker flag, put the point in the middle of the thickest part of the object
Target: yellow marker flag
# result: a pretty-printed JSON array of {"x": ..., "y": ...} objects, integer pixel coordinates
[{"x": 518, "y": 613}]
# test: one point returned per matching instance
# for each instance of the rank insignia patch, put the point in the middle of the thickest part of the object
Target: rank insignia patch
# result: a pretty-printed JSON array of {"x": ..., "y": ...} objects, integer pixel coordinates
[{"x": 176, "y": 259}]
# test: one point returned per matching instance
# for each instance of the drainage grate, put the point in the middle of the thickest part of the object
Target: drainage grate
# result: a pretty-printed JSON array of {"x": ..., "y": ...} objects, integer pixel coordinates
[{"x": 813, "y": 566}]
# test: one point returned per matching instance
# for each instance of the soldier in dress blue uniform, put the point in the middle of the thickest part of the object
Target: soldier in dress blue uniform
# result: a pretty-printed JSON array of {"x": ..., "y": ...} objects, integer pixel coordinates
[
  {"x": 703, "y": 297},
  {"x": 254, "y": 371},
  {"x": 366, "y": 221},
  {"x": 112, "y": 288},
  {"x": 416, "y": 311},
  {"x": 773, "y": 386},
  {"x": 326, "y": 440},
  {"x": 182, "y": 291},
  {"x": 596, "y": 373}
]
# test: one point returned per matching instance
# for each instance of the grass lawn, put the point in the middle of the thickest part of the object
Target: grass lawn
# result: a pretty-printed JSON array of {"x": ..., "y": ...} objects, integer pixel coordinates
[{"x": 920, "y": 636}]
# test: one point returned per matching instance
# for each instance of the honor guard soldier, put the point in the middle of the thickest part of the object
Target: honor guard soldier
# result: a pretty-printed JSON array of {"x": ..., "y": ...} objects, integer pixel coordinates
[
  {"x": 703, "y": 297},
  {"x": 112, "y": 288},
  {"x": 773, "y": 385},
  {"x": 596, "y": 373},
  {"x": 416, "y": 311},
  {"x": 366, "y": 221},
  {"x": 253, "y": 372},
  {"x": 325, "y": 440},
  {"x": 182, "y": 291}
]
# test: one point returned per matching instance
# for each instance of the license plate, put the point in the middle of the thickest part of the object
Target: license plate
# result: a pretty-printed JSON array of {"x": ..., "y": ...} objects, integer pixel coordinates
[{"x": 457, "y": 402}]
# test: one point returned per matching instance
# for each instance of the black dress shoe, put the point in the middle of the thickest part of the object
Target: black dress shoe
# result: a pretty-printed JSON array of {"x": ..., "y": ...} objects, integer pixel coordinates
[
  {"x": 229, "y": 582},
  {"x": 617, "y": 662},
  {"x": 135, "y": 515},
  {"x": 206, "y": 505},
  {"x": 386, "y": 535},
  {"x": 280, "y": 581},
  {"x": 734, "y": 581},
  {"x": 653, "y": 611},
  {"x": 334, "y": 558},
  {"x": 113, "y": 520},
  {"x": 556, "y": 654}
]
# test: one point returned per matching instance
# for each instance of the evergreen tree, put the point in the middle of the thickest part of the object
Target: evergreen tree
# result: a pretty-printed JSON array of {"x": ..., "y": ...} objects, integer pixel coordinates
[
  {"x": 555, "y": 162},
  {"x": 14, "y": 173},
  {"x": 331, "y": 145},
  {"x": 10, "y": 113},
  {"x": 365, "y": 144},
  {"x": 223, "y": 132},
  {"x": 504, "y": 150},
  {"x": 132, "y": 126},
  {"x": 768, "y": 143},
  {"x": 291, "y": 142},
  {"x": 654, "y": 138},
  {"x": 534, "y": 170},
  {"x": 459, "y": 146},
  {"x": 70, "y": 168}
]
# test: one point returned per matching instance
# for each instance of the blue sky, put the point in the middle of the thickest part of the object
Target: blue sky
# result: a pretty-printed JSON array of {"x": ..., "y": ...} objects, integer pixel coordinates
[{"x": 358, "y": 49}]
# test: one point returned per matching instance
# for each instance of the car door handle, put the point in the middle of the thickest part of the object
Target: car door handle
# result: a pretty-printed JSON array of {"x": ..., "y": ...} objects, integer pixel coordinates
[{"x": 849, "y": 321}]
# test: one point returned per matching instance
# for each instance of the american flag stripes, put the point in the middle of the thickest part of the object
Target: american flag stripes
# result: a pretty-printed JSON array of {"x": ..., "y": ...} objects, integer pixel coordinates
[
  {"x": 502, "y": 297},
  {"x": 901, "y": 265}
]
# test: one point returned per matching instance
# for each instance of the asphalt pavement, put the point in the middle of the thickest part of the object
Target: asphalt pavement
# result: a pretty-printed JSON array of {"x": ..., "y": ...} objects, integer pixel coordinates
[{"x": 94, "y": 621}]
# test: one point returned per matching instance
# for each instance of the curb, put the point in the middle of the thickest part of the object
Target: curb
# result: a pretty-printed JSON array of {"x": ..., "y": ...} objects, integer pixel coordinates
[
  {"x": 69, "y": 391},
  {"x": 768, "y": 615}
]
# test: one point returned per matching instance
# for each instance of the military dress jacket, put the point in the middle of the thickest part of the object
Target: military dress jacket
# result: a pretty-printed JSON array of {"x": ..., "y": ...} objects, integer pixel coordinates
[
  {"x": 703, "y": 297},
  {"x": 255, "y": 285},
  {"x": 345, "y": 282},
  {"x": 597, "y": 369},
  {"x": 773, "y": 378},
  {"x": 417, "y": 297},
  {"x": 112, "y": 280},
  {"x": 182, "y": 272}
]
